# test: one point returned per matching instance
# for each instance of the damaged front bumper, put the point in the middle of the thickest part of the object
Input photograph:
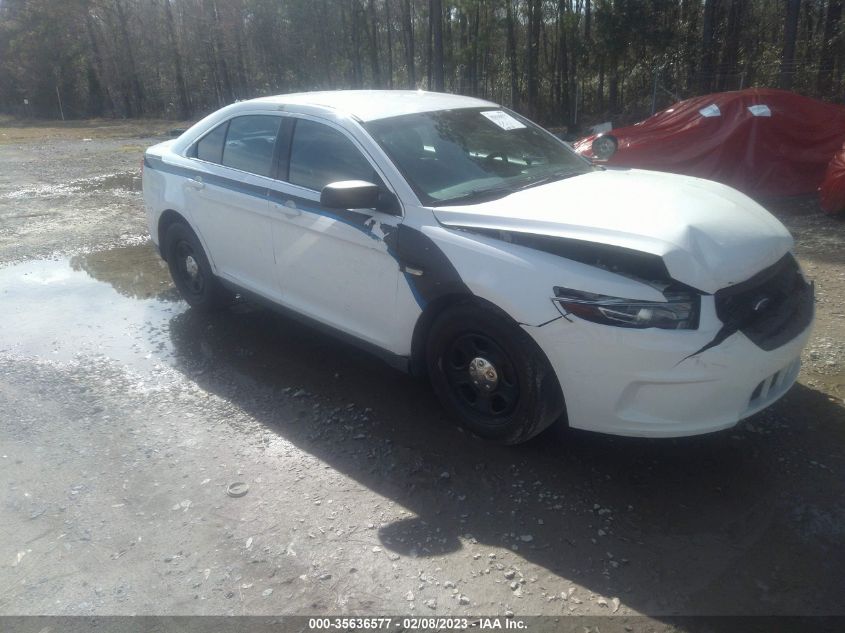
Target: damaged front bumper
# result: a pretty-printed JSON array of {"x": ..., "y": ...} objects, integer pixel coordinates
[{"x": 658, "y": 383}]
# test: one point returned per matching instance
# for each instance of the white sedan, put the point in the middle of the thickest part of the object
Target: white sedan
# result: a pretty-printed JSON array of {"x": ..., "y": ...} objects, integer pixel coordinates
[{"x": 457, "y": 239}]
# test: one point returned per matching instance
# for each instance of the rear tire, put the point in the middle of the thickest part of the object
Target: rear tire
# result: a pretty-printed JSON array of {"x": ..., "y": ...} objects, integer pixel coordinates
[
  {"x": 491, "y": 376},
  {"x": 191, "y": 270}
]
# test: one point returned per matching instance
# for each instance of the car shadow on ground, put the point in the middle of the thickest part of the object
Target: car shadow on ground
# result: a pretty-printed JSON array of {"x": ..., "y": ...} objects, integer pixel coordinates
[{"x": 742, "y": 521}]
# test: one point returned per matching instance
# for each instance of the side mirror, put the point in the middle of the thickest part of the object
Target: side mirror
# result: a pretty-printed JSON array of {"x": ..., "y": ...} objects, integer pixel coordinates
[
  {"x": 604, "y": 146},
  {"x": 350, "y": 194}
]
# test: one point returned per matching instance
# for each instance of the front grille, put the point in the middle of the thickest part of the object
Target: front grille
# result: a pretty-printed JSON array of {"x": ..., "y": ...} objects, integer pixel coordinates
[
  {"x": 775, "y": 385},
  {"x": 771, "y": 308}
]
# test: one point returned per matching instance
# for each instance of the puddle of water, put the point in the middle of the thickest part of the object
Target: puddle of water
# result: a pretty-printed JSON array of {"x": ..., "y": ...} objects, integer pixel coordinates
[
  {"x": 117, "y": 183},
  {"x": 120, "y": 304},
  {"x": 128, "y": 181},
  {"x": 134, "y": 271},
  {"x": 114, "y": 303}
]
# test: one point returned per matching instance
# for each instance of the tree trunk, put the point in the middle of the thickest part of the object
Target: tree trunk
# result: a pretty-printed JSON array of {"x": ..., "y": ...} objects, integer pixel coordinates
[
  {"x": 97, "y": 60},
  {"x": 429, "y": 50},
  {"x": 474, "y": 64},
  {"x": 328, "y": 46},
  {"x": 512, "y": 55},
  {"x": 225, "y": 78},
  {"x": 533, "y": 54},
  {"x": 408, "y": 34},
  {"x": 562, "y": 79},
  {"x": 711, "y": 8},
  {"x": 730, "y": 52},
  {"x": 830, "y": 46},
  {"x": 484, "y": 71},
  {"x": 600, "y": 88},
  {"x": 790, "y": 31},
  {"x": 181, "y": 87},
  {"x": 613, "y": 91},
  {"x": 136, "y": 90},
  {"x": 436, "y": 18},
  {"x": 373, "y": 31},
  {"x": 389, "y": 28},
  {"x": 448, "y": 55},
  {"x": 572, "y": 85},
  {"x": 587, "y": 20},
  {"x": 690, "y": 16},
  {"x": 243, "y": 78},
  {"x": 357, "y": 69},
  {"x": 464, "y": 62}
]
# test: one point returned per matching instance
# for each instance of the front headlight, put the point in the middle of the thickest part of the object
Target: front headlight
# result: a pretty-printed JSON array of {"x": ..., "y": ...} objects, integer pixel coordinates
[{"x": 678, "y": 312}]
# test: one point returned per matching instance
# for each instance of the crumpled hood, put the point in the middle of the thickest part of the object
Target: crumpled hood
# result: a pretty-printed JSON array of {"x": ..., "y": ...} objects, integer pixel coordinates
[{"x": 709, "y": 235}]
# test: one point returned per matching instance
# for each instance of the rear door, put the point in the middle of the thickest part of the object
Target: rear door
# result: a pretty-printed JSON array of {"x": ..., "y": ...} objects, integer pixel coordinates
[
  {"x": 227, "y": 199},
  {"x": 333, "y": 264}
]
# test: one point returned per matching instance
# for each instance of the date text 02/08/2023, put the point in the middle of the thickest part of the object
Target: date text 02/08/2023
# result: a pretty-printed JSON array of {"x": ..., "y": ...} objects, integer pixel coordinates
[{"x": 415, "y": 623}]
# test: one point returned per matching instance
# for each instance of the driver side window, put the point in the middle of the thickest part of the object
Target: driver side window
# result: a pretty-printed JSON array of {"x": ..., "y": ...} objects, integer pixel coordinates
[{"x": 320, "y": 155}]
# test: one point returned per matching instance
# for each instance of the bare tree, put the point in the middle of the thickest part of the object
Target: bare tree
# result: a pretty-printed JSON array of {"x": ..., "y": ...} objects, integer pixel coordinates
[
  {"x": 389, "y": 28},
  {"x": 790, "y": 32},
  {"x": 733, "y": 31},
  {"x": 436, "y": 17},
  {"x": 552, "y": 58},
  {"x": 408, "y": 36},
  {"x": 708, "y": 53},
  {"x": 830, "y": 46},
  {"x": 511, "y": 36},
  {"x": 533, "y": 53},
  {"x": 374, "y": 53},
  {"x": 134, "y": 98},
  {"x": 97, "y": 65},
  {"x": 181, "y": 86}
]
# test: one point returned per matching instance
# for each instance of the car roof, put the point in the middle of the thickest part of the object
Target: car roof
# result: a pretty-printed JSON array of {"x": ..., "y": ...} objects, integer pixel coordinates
[{"x": 370, "y": 105}]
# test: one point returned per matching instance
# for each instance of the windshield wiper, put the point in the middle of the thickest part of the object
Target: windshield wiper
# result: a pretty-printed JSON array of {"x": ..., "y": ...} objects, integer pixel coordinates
[
  {"x": 480, "y": 195},
  {"x": 494, "y": 193},
  {"x": 560, "y": 175}
]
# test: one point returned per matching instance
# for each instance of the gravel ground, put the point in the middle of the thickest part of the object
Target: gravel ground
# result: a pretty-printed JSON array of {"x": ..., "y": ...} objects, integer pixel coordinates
[{"x": 129, "y": 425}]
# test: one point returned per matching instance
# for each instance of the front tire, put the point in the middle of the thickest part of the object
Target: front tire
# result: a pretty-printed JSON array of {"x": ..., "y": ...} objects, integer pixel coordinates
[
  {"x": 191, "y": 270},
  {"x": 491, "y": 376}
]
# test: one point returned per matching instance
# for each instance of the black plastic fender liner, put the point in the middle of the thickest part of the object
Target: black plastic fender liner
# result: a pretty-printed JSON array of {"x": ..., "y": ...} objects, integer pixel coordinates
[
  {"x": 426, "y": 267},
  {"x": 433, "y": 280}
]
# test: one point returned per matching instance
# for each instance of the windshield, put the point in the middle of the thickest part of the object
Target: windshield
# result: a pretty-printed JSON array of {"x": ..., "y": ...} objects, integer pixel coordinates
[{"x": 471, "y": 155}]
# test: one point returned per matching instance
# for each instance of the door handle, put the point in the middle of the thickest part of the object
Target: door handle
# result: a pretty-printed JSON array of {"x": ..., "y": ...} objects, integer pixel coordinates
[{"x": 196, "y": 183}]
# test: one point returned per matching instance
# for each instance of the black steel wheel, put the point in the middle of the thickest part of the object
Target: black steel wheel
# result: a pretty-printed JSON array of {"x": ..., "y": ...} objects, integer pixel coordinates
[
  {"x": 190, "y": 274},
  {"x": 490, "y": 375},
  {"x": 482, "y": 375},
  {"x": 191, "y": 271}
]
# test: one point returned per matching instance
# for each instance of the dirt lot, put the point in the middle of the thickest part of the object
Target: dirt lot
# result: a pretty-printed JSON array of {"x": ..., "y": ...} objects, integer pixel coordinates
[{"x": 124, "y": 417}]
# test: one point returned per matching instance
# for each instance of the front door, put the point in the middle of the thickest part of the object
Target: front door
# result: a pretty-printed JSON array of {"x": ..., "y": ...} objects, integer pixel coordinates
[{"x": 333, "y": 265}]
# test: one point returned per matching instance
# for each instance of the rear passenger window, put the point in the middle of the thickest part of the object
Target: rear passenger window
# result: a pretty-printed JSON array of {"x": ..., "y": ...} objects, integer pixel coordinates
[
  {"x": 320, "y": 155},
  {"x": 210, "y": 146},
  {"x": 250, "y": 142}
]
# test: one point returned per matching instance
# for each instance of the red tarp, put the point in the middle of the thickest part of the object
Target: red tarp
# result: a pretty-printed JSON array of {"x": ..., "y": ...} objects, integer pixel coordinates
[
  {"x": 832, "y": 190},
  {"x": 781, "y": 152}
]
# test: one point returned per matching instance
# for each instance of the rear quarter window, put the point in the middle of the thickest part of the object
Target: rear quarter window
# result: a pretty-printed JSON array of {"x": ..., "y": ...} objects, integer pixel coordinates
[{"x": 210, "y": 146}]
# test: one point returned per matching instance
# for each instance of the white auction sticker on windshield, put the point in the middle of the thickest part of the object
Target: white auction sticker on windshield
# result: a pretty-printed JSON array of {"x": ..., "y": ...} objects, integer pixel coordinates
[{"x": 503, "y": 120}]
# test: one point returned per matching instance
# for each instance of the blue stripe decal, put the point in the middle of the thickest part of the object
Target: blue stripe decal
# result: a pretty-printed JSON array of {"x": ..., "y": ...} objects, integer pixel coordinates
[
  {"x": 304, "y": 204},
  {"x": 265, "y": 193},
  {"x": 421, "y": 302},
  {"x": 211, "y": 179}
]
